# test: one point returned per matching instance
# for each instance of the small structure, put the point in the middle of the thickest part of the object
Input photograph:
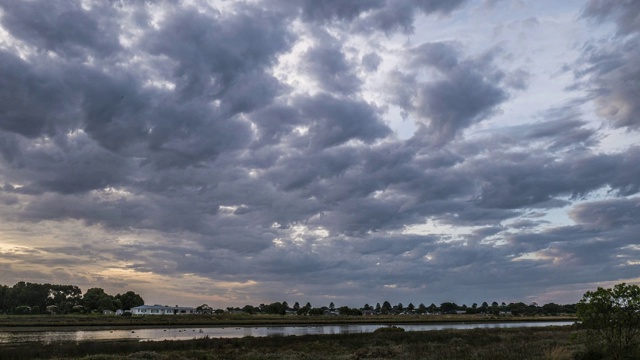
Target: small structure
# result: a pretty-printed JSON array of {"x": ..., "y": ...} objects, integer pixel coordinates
[
  {"x": 108, "y": 312},
  {"x": 162, "y": 310}
]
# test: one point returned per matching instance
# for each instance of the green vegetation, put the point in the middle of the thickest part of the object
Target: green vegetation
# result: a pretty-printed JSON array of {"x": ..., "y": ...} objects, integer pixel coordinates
[
  {"x": 611, "y": 318},
  {"x": 31, "y": 298},
  {"x": 391, "y": 328}
]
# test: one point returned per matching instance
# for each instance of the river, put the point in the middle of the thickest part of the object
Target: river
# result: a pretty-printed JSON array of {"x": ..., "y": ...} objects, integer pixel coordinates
[{"x": 186, "y": 333}]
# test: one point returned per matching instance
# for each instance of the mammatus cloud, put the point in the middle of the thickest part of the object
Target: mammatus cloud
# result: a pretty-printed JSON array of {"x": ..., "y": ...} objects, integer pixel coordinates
[{"x": 259, "y": 151}]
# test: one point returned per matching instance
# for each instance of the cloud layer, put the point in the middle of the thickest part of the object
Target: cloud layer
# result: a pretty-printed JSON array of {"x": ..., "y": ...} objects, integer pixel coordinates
[{"x": 320, "y": 150}]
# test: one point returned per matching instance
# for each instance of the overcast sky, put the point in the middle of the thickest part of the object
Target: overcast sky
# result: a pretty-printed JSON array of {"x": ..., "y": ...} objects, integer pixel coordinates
[{"x": 346, "y": 151}]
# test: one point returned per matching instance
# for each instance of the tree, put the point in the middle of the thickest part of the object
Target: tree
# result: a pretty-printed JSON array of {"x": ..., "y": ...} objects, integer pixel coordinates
[
  {"x": 612, "y": 318},
  {"x": 130, "y": 300},
  {"x": 296, "y": 306},
  {"x": 448, "y": 307},
  {"x": 422, "y": 309},
  {"x": 204, "y": 309},
  {"x": 249, "y": 309},
  {"x": 332, "y": 306},
  {"x": 22, "y": 310},
  {"x": 97, "y": 299}
]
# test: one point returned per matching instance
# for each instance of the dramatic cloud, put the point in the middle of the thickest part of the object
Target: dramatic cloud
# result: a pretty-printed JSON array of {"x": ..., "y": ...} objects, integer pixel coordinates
[
  {"x": 613, "y": 66},
  {"x": 236, "y": 153}
]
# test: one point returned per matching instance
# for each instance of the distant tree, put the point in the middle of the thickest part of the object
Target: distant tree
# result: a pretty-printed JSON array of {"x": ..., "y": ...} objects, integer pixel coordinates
[
  {"x": 612, "y": 319},
  {"x": 411, "y": 307},
  {"x": 432, "y": 308},
  {"x": 519, "y": 308},
  {"x": 332, "y": 306},
  {"x": 448, "y": 307},
  {"x": 303, "y": 311},
  {"x": 316, "y": 311},
  {"x": 275, "y": 308},
  {"x": 308, "y": 305},
  {"x": 399, "y": 307},
  {"x": 386, "y": 307},
  {"x": 378, "y": 307},
  {"x": 95, "y": 299},
  {"x": 367, "y": 307},
  {"x": 22, "y": 310},
  {"x": 296, "y": 306},
  {"x": 249, "y": 309},
  {"x": 422, "y": 309},
  {"x": 345, "y": 310},
  {"x": 204, "y": 309},
  {"x": 130, "y": 300}
]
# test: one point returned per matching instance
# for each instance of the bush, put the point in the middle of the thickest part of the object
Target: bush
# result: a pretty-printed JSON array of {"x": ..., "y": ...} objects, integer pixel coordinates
[
  {"x": 392, "y": 328},
  {"x": 22, "y": 310},
  {"x": 612, "y": 319}
]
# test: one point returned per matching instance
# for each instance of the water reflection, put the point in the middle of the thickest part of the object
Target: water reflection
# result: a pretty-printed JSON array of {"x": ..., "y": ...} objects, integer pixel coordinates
[{"x": 186, "y": 333}]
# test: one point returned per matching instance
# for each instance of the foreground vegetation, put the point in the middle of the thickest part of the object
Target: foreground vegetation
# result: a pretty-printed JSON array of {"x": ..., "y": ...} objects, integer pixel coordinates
[{"x": 519, "y": 343}]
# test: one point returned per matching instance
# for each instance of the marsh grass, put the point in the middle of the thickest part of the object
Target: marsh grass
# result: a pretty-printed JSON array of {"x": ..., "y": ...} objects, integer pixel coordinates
[{"x": 516, "y": 343}]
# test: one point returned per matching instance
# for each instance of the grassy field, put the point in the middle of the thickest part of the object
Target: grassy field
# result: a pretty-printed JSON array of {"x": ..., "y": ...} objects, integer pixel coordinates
[
  {"x": 517, "y": 343},
  {"x": 79, "y": 321}
]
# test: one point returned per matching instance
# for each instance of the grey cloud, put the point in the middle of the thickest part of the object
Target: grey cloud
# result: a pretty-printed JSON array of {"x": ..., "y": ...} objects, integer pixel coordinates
[
  {"x": 212, "y": 53},
  {"x": 327, "y": 65},
  {"x": 10, "y": 148},
  {"x": 469, "y": 90},
  {"x": 437, "y": 6},
  {"x": 610, "y": 66},
  {"x": 608, "y": 214},
  {"x": 625, "y": 13},
  {"x": 614, "y": 76},
  {"x": 371, "y": 61},
  {"x": 34, "y": 97},
  {"x": 376, "y": 15},
  {"x": 326, "y": 10},
  {"x": 397, "y": 15},
  {"x": 335, "y": 121},
  {"x": 563, "y": 128},
  {"x": 63, "y": 27}
]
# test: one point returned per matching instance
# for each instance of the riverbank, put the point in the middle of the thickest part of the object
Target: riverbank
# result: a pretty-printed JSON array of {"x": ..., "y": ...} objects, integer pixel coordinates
[
  {"x": 515, "y": 343},
  {"x": 45, "y": 322}
]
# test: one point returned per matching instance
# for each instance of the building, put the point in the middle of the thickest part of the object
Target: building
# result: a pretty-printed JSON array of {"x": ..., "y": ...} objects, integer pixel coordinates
[{"x": 162, "y": 310}]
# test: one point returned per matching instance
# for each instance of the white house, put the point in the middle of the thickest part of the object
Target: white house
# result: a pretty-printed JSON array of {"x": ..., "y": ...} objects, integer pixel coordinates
[{"x": 162, "y": 310}]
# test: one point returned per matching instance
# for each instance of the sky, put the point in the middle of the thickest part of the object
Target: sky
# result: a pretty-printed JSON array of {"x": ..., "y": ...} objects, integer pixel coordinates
[{"x": 247, "y": 152}]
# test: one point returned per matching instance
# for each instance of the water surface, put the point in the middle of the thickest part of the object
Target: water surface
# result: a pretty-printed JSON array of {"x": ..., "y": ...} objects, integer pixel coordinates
[{"x": 186, "y": 333}]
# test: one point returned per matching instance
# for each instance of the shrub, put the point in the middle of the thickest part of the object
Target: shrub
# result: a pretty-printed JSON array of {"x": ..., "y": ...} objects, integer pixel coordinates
[{"x": 612, "y": 319}]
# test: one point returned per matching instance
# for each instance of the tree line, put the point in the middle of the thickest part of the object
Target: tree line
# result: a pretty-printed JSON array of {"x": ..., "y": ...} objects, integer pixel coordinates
[
  {"x": 386, "y": 308},
  {"x": 26, "y": 298},
  {"x": 33, "y": 298}
]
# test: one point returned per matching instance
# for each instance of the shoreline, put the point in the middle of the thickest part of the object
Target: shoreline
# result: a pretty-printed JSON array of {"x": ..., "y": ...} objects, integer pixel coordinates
[{"x": 92, "y": 323}]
